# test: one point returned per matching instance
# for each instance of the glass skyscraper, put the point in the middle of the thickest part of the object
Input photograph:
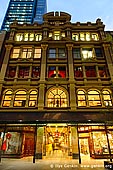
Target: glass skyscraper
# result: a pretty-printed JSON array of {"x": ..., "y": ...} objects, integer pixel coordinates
[{"x": 24, "y": 11}]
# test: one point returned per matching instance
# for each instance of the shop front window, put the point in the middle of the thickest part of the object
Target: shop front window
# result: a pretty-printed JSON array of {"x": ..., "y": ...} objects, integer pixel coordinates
[
  {"x": 20, "y": 99},
  {"x": 81, "y": 98},
  {"x": 33, "y": 98},
  {"x": 57, "y": 98},
  {"x": 7, "y": 99},
  {"x": 94, "y": 98},
  {"x": 100, "y": 143},
  {"x": 11, "y": 142}
]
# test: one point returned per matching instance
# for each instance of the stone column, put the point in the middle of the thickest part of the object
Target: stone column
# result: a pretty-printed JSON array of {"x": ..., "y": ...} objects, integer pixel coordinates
[
  {"x": 5, "y": 62},
  {"x": 39, "y": 143},
  {"x": 108, "y": 59},
  {"x": 43, "y": 63},
  {"x": 71, "y": 78},
  {"x": 4, "y": 65},
  {"x": 70, "y": 62},
  {"x": 42, "y": 78},
  {"x": 74, "y": 140}
]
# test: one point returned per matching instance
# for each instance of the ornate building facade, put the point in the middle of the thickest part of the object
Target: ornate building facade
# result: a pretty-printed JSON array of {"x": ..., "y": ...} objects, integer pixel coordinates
[{"x": 56, "y": 89}]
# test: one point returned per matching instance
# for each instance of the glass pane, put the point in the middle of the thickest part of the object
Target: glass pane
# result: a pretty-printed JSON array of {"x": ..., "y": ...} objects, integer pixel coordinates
[
  {"x": 100, "y": 143},
  {"x": 81, "y": 103}
]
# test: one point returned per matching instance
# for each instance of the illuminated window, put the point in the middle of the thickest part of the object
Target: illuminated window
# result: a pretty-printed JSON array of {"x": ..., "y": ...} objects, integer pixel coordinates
[
  {"x": 81, "y": 98},
  {"x": 88, "y": 37},
  {"x": 19, "y": 37},
  {"x": 33, "y": 98},
  {"x": 94, "y": 98},
  {"x": 87, "y": 53},
  {"x": 95, "y": 37},
  {"x": 57, "y": 35},
  {"x": 38, "y": 37},
  {"x": 26, "y": 53},
  {"x": 15, "y": 53},
  {"x": 31, "y": 37},
  {"x": 20, "y": 99},
  {"x": 7, "y": 98},
  {"x": 82, "y": 36},
  {"x": 26, "y": 37},
  {"x": 57, "y": 98},
  {"x": 37, "y": 53},
  {"x": 107, "y": 98},
  {"x": 75, "y": 37}
]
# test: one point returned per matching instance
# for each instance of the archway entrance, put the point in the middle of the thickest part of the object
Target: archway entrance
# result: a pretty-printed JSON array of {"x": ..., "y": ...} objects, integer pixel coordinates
[{"x": 57, "y": 141}]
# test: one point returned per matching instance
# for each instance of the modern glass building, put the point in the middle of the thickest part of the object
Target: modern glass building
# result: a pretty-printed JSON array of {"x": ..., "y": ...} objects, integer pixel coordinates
[{"x": 26, "y": 11}]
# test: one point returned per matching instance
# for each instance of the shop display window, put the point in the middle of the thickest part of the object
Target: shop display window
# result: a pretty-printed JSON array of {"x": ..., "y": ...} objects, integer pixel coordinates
[
  {"x": 100, "y": 143},
  {"x": 11, "y": 143}
]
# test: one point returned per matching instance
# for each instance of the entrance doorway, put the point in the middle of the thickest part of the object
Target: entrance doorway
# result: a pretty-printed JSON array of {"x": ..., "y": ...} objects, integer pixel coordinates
[
  {"x": 57, "y": 141},
  {"x": 84, "y": 147}
]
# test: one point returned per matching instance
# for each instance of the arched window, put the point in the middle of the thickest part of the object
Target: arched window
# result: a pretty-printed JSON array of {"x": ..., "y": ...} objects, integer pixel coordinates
[
  {"x": 7, "y": 98},
  {"x": 56, "y": 98},
  {"x": 107, "y": 98},
  {"x": 20, "y": 98},
  {"x": 94, "y": 98},
  {"x": 81, "y": 98},
  {"x": 33, "y": 98}
]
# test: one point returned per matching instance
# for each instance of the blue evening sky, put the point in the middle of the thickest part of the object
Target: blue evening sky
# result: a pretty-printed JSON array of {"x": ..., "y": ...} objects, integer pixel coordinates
[{"x": 80, "y": 10}]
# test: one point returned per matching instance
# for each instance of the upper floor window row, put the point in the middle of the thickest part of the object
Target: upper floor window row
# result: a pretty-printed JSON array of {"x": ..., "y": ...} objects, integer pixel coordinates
[
  {"x": 94, "y": 98},
  {"x": 26, "y": 52},
  {"x": 85, "y": 36},
  {"x": 87, "y": 53},
  {"x": 28, "y": 37}
]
